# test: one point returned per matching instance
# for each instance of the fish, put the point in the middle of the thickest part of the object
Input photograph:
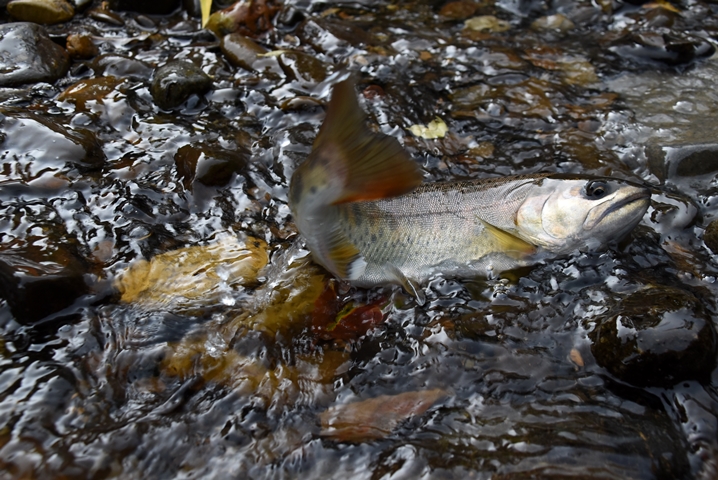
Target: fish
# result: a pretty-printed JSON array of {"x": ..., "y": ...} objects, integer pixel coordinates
[{"x": 359, "y": 203}]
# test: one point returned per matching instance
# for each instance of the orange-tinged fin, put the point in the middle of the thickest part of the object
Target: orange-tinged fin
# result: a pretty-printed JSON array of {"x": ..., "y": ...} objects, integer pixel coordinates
[
  {"x": 372, "y": 165},
  {"x": 342, "y": 258},
  {"x": 509, "y": 244}
]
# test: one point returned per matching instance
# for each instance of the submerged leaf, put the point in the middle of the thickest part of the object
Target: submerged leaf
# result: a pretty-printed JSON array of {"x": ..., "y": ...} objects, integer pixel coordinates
[
  {"x": 194, "y": 276},
  {"x": 375, "y": 418},
  {"x": 435, "y": 129}
]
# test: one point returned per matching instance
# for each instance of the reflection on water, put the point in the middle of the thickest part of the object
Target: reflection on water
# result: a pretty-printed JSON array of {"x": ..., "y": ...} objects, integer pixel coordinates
[{"x": 140, "y": 335}]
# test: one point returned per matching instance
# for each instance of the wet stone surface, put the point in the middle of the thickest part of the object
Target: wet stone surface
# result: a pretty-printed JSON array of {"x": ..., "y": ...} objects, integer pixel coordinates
[
  {"x": 159, "y": 317},
  {"x": 28, "y": 55}
]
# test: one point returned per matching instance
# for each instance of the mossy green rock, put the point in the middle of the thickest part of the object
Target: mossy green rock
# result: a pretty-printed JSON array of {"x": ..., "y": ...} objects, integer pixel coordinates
[{"x": 656, "y": 337}]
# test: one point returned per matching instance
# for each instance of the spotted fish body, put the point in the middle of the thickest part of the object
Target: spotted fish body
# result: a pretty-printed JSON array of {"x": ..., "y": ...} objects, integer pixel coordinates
[{"x": 359, "y": 203}]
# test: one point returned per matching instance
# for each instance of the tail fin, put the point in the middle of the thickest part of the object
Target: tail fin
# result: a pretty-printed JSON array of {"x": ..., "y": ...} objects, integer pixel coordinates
[{"x": 374, "y": 165}]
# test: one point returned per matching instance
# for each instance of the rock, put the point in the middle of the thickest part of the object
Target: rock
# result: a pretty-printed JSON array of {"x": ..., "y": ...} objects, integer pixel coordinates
[
  {"x": 242, "y": 51},
  {"x": 303, "y": 67},
  {"x": 176, "y": 81},
  {"x": 155, "y": 7},
  {"x": 34, "y": 146},
  {"x": 556, "y": 23},
  {"x": 692, "y": 160},
  {"x": 710, "y": 236},
  {"x": 81, "y": 46},
  {"x": 659, "y": 336},
  {"x": 102, "y": 14},
  {"x": 670, "y": 49},
  {"x": 210, "y": 166},
  {"x": 325, "y": 35},
  {"x": 29, "y": 56},
  {"x": 45, "y": 12},
  {"x": 487, "y": 23},
  {"x": 35, "y": 289},
  {"x": 113, "y": 65}
]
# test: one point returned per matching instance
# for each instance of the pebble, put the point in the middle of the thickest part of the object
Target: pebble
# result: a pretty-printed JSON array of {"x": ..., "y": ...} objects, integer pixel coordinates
[{"x": 176, "y": 81}]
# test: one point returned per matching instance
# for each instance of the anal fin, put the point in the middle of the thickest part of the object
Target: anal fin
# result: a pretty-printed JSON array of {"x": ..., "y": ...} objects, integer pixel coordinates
[
  {"x": 410, "y": 286},
  {"x": 342, "y": 257}
]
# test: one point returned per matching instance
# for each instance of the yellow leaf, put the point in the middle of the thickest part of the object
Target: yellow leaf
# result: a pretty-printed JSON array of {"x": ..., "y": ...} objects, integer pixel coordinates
[
  {"x": 192, "y": 277},
  {"x": 436, "y": 129},
  {"x": 206, "y": 5}
]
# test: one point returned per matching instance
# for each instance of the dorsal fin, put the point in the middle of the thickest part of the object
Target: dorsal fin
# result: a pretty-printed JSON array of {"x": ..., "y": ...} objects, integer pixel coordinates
[{"x": 373, "y": 165}]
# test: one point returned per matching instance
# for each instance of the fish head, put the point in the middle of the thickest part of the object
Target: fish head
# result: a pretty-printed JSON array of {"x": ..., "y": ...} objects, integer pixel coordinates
[{"x": 562, "y": 213}]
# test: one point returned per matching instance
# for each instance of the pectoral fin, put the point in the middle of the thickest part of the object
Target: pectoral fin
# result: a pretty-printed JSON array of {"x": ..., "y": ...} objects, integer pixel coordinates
[
  {"x": 509, "y": 244},
  {"x": 372, "y": 165},
  {"x": 410, "y": 286}
]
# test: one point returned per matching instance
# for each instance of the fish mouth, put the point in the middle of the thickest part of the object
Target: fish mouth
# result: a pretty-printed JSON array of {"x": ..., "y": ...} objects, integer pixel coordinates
[{"x": 641, "y": 195}]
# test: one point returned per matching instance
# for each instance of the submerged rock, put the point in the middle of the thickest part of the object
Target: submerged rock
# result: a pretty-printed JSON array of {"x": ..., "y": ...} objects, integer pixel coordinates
[
  {"x": 710, "y": 236},
  {"x": 29, "y": 55},
  {"x": 176, "y": 81},
  {"x": 81, "y": 46},
  {"x": 36, "y": 289},
  {"x": 682, "y": 160},
  {"x": 670, "y": 49},
  {"x": 45, "y": 12},
  {"x": 35, "y": 147},
  {"x": 155, "y": 7},
  {"x": 659, "y": 336},
  {"x": 210, "y": 166}
]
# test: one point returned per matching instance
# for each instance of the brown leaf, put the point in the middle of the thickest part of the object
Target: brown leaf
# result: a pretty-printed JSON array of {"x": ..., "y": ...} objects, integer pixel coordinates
[{"x": 375, "y": 418}]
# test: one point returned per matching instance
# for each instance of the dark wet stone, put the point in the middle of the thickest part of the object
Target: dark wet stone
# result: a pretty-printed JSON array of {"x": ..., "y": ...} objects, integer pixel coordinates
[
  {"x": 45, "y": 12},
  {"x": 112, "y": 65},
  {"x": 102, "y": 14},
  {"x": 683, "y": 160},
  {"x": 210, "y": 166},
  {"x": 38, "y": 144},
  {"x": 81, "y": 46},
  {"x": 710, "y": 236},
  {"x": 34, "y": 290},
  {"x": 176, "y": 81},
  {"x": 659, "y": 336},
  {"x": 325, "y": 35},
  {"x": 670, "y": 49},
  {"x": 241, "y": 51},
  {"x": 155, "y": 7},
  {"x": 29, "y": 56},
  {"x": 303, "y": 67},
  {"x": 192, "y": 7}
]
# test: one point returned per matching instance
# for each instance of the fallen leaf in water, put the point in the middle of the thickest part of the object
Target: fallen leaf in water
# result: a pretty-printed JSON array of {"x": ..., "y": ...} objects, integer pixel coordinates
[
  {"x": 576, "y": 357},
  {"x": 193, "y": 277},
  {"x": 332, "y": 320},
  {"x": 375, "y": 418},
  {"x": 435, "y": 129}
]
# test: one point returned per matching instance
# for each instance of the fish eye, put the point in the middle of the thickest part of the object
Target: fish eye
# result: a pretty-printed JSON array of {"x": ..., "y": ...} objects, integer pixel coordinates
[{"x": 596, "y": 189}]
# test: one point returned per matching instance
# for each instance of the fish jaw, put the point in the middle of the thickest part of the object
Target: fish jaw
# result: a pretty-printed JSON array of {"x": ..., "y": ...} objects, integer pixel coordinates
[{"x": 563, "y": 214}]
